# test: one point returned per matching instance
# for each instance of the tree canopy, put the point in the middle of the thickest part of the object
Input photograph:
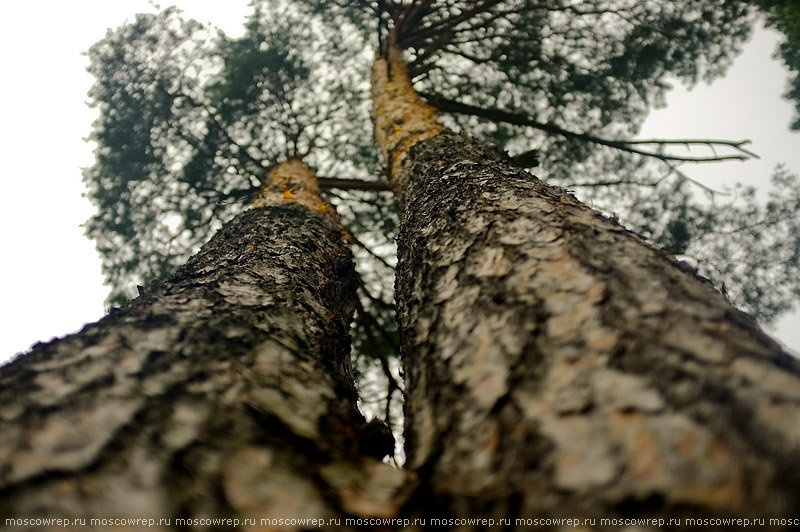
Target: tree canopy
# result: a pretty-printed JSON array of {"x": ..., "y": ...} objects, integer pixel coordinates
[
  {"x": 784, "y": 16},
  {"x": 191, "y": 121}
]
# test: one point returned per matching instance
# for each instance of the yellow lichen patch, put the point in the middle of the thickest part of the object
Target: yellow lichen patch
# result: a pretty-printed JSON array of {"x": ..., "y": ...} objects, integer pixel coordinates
[
  {"x": 294, "y": 182},
  {"x": 402, "y": 118}
]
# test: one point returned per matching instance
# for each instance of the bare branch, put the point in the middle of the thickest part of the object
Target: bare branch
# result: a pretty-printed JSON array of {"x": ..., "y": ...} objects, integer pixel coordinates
[
  {"x": 353, "y": 184},
  {"x": 380, "y": 259},
  {"x": 452, "y": 106}
]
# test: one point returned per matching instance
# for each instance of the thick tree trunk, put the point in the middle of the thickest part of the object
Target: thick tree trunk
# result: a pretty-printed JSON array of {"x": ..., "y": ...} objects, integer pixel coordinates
[
  {"x": 559, "y": 365},
  {"x": 225, "y": 392}
]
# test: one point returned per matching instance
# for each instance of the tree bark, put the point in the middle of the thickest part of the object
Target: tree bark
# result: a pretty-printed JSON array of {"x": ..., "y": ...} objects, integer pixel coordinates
[
  {"x": 224, "y": 392},
  {"x": 557, "y": 364}
]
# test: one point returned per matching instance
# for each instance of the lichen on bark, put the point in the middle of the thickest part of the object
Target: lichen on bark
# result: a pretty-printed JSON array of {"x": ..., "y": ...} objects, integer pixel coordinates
[
  {"x": 292, "y": 181},
  {"x": 401, "y": 117}
]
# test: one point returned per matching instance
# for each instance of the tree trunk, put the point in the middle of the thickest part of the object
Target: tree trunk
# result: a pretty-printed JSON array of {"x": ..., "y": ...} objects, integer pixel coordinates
[
  {"x": 224, "y": 392},
  {"x": 557, "y": 364}
]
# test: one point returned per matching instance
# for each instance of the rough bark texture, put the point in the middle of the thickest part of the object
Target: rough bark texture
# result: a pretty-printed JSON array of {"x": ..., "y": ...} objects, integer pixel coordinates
[
  {"x": 557, "y": 364},
  {"x": 225, "y": 392}
]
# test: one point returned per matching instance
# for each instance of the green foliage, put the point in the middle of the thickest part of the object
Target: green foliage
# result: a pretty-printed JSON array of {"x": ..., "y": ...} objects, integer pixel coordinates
[
  {"x": 784, "y": 16},
  {"x": 140, "y": 227},
  {"x": 752, "y": 249},
  {"x": 191, "y": 121}
]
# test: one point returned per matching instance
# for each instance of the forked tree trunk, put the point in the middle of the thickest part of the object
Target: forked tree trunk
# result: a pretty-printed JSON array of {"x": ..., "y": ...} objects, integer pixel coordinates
[
  {"x": 559, "y": 365},
  {"x": 225, "y": 392}
]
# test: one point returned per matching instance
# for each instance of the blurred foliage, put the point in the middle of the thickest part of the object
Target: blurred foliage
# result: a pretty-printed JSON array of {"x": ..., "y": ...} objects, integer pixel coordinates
[
  {"x": 191, "y": 121},
  {"x": 784, "y": 16}
]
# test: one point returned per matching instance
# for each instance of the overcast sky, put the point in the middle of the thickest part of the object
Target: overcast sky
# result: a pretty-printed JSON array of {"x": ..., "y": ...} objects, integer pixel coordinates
[{"x": 51, "y": 272}]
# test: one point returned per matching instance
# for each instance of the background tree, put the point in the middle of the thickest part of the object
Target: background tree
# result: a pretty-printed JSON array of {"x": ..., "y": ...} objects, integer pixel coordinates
[{"x": 784, "y": 15}]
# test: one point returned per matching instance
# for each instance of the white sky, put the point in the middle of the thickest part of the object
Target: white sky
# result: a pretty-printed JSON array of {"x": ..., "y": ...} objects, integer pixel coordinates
[{"x": 51, "y": 273}]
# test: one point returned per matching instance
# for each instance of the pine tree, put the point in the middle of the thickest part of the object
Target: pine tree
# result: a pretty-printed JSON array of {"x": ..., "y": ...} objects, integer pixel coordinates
[
  {"x": 226, "y": 391},
  {"x": 557, "y": 363},
  {"x": 554, "y": 361}
]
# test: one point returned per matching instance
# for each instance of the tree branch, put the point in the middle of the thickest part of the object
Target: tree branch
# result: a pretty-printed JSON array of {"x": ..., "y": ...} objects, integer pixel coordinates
[
  {"x": 224, "y": 131},
  {"x": 416, "y": 37},
  {"x": 499, "y": 115},
  {"x": 380, "y": 259},
  {"x": 353, "y": 184}
]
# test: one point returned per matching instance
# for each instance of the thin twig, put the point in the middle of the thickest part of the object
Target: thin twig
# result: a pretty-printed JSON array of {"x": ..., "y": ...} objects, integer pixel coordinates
[{"x": 452, "y": 106}]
